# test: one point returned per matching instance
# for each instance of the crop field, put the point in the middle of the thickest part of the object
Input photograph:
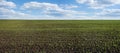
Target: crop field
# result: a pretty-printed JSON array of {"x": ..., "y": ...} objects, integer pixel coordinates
[{"x": 59, "y": 36}]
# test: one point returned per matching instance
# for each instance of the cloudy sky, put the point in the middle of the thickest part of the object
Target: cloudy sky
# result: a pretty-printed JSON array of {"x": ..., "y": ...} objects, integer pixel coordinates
[{"x": 59, "y": 9}]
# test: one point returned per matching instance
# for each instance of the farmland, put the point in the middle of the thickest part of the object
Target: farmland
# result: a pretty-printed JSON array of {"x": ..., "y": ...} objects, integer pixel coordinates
[{"x": 59, "y": 36}]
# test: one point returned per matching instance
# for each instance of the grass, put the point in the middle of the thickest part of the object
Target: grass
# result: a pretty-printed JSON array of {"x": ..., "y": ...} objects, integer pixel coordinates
[{"x": 59, "y": 36}]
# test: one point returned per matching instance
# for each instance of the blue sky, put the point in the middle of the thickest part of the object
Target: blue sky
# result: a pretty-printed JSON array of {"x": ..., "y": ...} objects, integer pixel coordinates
[{"x": 59, "y": 9}]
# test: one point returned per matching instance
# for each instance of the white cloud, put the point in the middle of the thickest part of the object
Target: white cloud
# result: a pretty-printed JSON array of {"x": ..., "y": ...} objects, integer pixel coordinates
[
  {"x": 7, "y": 10},
  {"x": 110, "y": 13},
  {"x": 104, "y": 12},
  {"x": 37, "y": 5},
  {"x": 115, "y": 1},
  {"x": 99, "y": 4},
  {"x": 6, "y": 4},
  {"x": 71, "y": 6},
  {"x": 66, "y": 6},
  {"x": 9, "y": 13},
  {"x": 47, "y": 11},
  {"x": 81, "y": 1},
  {"x": 50, "y": 9},
  {"x": 55, "y": 11}
]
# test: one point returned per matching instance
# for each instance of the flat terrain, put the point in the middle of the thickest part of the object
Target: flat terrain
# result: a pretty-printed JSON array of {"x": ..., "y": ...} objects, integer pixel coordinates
[{"x": 60, "y": 36}]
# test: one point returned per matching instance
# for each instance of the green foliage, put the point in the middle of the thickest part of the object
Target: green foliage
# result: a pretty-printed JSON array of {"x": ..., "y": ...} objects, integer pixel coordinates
[{"x": 59, "y": 36}]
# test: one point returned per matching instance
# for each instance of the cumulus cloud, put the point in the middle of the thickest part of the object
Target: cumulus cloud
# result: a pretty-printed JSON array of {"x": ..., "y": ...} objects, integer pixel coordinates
[
  {"x": 7, "y": 10},
  {"x": 110, "y": 13},
  {"x": 115, "y": 1},
  {"x": 6, "y": 4},
  {"x": 99, "y": 4},
  {"x": 70, "y": 6},
  {"x": 66, "y": 6},
  {"x": 9, "y": 13},
  {"x": 107, "y": 8},
  {"x": 38, "y": 5},
  {"x": 44, "y": 10},
  {"x": 49, "y": 9}
]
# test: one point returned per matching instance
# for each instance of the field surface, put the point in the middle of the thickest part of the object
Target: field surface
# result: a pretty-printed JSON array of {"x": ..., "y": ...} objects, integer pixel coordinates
[{"x": 59, "y": 36}]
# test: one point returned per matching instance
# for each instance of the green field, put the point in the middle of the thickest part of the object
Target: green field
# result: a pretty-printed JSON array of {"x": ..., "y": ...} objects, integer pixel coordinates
[{"x": 60, "y": 36}]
